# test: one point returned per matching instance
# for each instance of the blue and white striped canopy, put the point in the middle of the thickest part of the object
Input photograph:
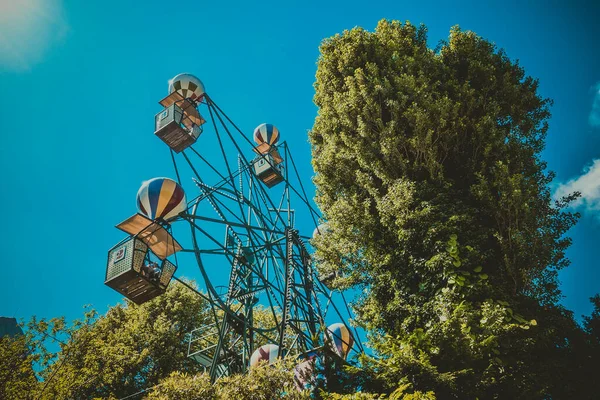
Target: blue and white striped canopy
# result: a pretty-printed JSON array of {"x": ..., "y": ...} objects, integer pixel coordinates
[
  {"x": 266, "y": 133},
  {"x": 161, "y": 198},
  {"x": 341, "y": 339}
]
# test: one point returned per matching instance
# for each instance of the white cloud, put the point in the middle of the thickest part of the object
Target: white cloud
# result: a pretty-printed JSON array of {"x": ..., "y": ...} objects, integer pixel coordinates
[
  {"x": 28, "y": 28},
  {"x": 594, "y": 118},
  {"x": 588, "y": 184}
]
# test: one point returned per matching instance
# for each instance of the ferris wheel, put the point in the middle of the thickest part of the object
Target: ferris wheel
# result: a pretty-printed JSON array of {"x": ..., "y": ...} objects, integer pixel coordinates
[{"x": 228, "y": 215}]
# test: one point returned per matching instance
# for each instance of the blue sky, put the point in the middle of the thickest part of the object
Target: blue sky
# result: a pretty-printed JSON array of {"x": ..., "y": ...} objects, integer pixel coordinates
[{"x": 80, "y": 81}]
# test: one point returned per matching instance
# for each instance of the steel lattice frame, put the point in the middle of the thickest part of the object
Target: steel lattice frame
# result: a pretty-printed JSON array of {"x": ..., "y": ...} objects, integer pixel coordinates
[{"x": 236, "y": 222}]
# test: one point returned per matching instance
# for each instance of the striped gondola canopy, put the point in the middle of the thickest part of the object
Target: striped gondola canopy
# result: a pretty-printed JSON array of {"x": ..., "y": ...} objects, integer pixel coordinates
[
  {"x": 341, "y": 339},
  {"x": 267, "y": 353},
  {"x": 321, "y": 229},
  {"x": 188, "y": 86},
  {"x": 304, "y": 372},
  {"x": 161, "y": 198},
  {"x": 266, "y": 133}
]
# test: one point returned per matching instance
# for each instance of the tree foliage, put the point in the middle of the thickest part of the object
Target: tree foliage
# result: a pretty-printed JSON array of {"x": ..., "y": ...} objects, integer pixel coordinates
[
  {"x": 130, "y": 350},
  {"x": 112, "y": 356},
  {"x": 428, "y": 171},
  {"x": 16, "y": 372},
  {"x": 264, "y": 382}
]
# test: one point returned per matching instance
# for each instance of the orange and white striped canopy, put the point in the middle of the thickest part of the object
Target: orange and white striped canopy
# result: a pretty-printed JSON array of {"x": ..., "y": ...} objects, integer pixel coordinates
[
  {"x": 341, "y": 339},
  {"x": 161, "y": 198}
]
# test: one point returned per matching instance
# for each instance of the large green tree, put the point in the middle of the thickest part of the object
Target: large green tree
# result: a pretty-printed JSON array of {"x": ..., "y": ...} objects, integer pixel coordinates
[{"x": 428, "y": 171}]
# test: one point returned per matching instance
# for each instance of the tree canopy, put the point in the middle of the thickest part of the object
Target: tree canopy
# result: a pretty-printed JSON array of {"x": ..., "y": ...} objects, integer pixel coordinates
[
  {"x": 429, "y": 174},
  {"x": 128, "y": 349},
  {"x": 131, "y": 350}
]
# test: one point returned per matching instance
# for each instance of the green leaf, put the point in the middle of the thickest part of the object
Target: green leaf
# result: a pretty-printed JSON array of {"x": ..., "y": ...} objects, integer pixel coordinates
[
  {"x": 519, "y": 318},
  {"x": 483, "y": 276},
  {"x": 469, "y": 248},
  {"x": 478, "y": 269},
  {"x": 533, "y": 322},
  {"x": 453, "y": 237},
  {"x": 457, "y": 263}
]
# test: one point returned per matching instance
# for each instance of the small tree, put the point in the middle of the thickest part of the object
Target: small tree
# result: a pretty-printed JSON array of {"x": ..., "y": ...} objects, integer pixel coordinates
[
  {"x": 264, "y": 382},
  {"x": 112, "y": 356},
  {"x": 16, "y": 373}
]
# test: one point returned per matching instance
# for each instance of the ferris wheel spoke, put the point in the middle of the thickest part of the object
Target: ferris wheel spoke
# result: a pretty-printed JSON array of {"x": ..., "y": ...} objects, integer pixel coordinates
[
  {"x": 205, "y": 251},
  {"x": 175, "y": 165},
  {"x": 268, "y": 286},
  {"x": 270, "y": 299},
  {"x": 224, "y": 154},
  {"x": 208, "y": 164},
  {"x": 314, "y": 214},
  {"x": 221, "y": 185},
  {"x": 218, "y": 190},
  {"x": 263, "y": 215},
  {"x": 218, "y": 205},
  {"x": 278, "y": 270},
  {"x": 224, "y": 249},
  {"x": 230, "y": 223}
]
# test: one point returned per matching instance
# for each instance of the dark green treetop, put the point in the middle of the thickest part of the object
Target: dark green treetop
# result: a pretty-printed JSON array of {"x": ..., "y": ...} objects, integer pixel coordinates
[{"x": 428, "y": 171}]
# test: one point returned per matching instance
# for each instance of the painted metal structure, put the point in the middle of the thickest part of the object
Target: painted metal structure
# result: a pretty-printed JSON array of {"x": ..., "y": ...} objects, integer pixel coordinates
[{"x": 241, "y": 220}]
